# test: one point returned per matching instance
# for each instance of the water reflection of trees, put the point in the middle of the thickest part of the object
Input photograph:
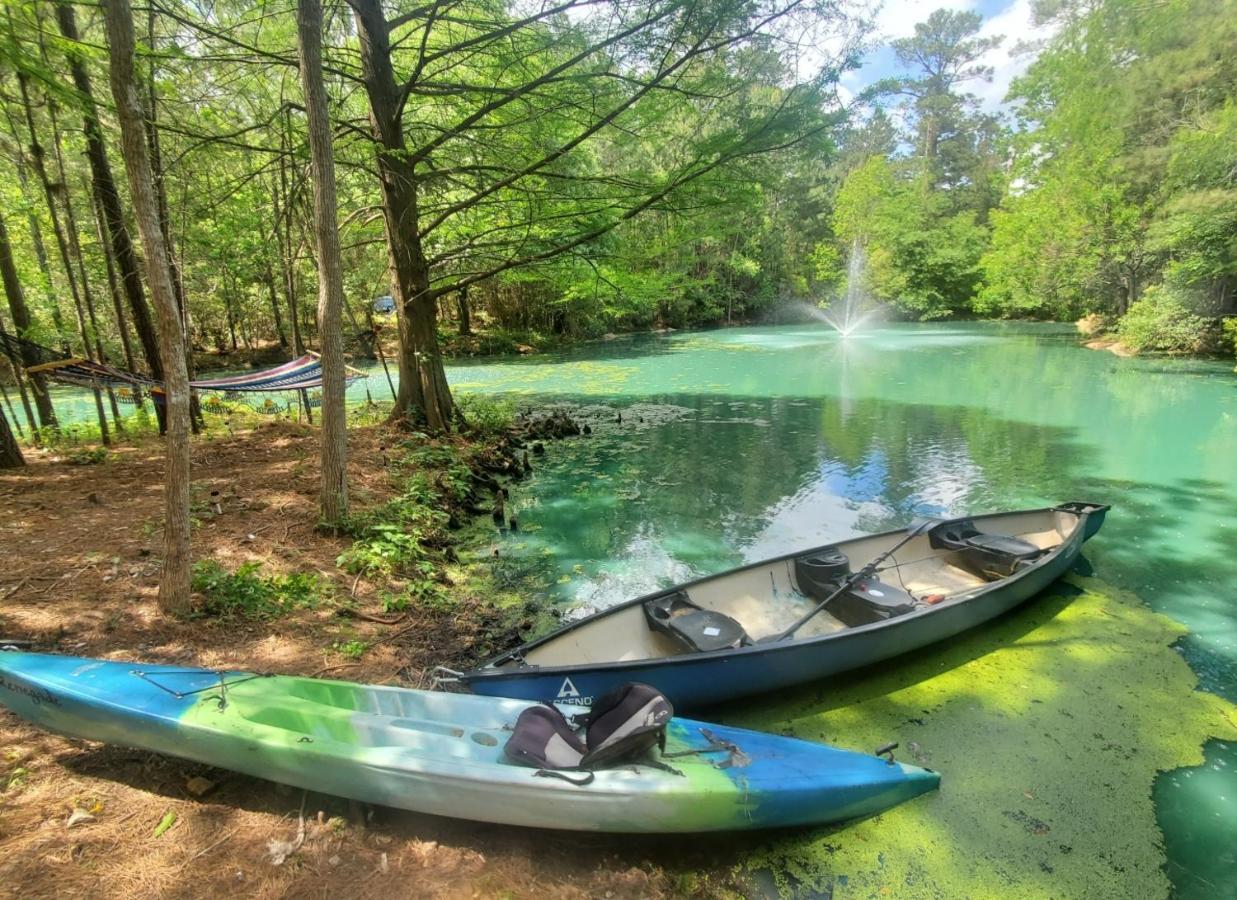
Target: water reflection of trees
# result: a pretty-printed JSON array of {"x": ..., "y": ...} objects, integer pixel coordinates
[{"x": 710, "y": 484}]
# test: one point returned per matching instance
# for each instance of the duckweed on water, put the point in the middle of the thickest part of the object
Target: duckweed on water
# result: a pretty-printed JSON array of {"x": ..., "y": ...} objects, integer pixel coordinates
[{"x": 1048, "y": 727}]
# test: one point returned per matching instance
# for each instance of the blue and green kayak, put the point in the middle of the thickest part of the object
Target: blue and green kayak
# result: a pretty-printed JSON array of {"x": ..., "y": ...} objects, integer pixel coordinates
[{"x": 442, "y": 753}]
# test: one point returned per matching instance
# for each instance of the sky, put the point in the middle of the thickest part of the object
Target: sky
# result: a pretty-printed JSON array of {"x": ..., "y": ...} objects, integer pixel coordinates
[{"x": 897, "y": 18}]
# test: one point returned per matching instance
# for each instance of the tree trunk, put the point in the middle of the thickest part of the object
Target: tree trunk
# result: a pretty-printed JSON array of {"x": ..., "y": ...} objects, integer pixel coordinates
[
  {"x": 114, "y": 291},
  {"x": 283, "y": 227},
  {"x": 75, "y": 250},
  {"x": 38, "y": 157},
  {"x": 10, "y": 453},
  {"x": 22, "y": 324},
  {"x": 461, "y": 300},
  {"x": 334, "y": 494},
  {"x": 423, "y": 390},
  {"x": 270, "y": 286},
  {"x": 32, "y": 221},
  {"x": 20, "y": 381},
  {"x": 174, "y": 585},
  {"x": 123, "y": 253}
]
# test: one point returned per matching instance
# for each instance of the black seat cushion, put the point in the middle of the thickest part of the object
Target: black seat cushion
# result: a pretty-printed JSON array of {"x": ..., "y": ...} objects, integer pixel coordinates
[
  {"x": 1000, "y": 543},
  {"x": 693, "y": 628}
]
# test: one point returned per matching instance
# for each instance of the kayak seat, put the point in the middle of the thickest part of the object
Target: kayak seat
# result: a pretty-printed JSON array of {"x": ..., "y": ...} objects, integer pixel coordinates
[
  {"x": 692, "y": 627},
  {"x": 992, "y": 556}
]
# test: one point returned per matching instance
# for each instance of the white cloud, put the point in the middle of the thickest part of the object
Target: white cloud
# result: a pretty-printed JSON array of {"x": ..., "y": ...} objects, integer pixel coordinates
[
  {"x": 897, "y": 18},
  {"x": 1009, "y": 60}
]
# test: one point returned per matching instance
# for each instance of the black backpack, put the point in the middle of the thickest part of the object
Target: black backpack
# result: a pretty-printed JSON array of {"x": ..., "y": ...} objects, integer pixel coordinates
[{"x": 622, "y": 726}]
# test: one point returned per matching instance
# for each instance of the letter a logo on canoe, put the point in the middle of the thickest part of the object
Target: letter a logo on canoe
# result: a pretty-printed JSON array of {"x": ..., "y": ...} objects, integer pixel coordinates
[{"x": 568, "y": 689}]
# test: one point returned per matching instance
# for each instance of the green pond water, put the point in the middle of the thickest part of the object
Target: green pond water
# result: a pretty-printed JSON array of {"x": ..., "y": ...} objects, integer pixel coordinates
[{"x": 749, "y": 442}]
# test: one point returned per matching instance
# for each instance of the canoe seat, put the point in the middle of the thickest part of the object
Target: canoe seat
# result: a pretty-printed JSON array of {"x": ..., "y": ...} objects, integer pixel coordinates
[
  {"x": 691, "y": 627},
  {"x": 993, "y": 556}
]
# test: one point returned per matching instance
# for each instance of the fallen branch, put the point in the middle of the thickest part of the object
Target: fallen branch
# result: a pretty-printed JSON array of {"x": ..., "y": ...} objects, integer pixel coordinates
[{"x": 370, "y": 617}]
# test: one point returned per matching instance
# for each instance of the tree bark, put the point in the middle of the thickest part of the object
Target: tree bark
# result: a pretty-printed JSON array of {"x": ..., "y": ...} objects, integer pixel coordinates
[
  {"x": 174, "y": 585},
  {"x": 334, "y": 491},
  {"x": 22, "y": 323},
  {"x": 123, "y": 252},
  {"x": 10, "y": 453}
]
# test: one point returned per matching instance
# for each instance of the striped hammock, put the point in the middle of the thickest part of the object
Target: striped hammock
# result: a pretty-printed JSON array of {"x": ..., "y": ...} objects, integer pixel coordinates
[{"x": 300, "y": 374}]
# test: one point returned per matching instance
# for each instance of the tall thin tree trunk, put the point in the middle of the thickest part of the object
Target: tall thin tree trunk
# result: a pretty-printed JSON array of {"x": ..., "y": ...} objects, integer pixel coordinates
[
  {"x": 283, "y": 225},
  {"x": 8, "y": 402},
  {"x": 334, "y": 492},
  {"x": 75, "y": 249},
  {"x": 36, "y": 230},
  {"x": 461, "y": 300},
  {"x": 38, "y": 156},
  {"x": 151, "y": 121},
  {"x": 278, "y": 316},
  {"x": 174, "y": 585},
  {"x": 10, "y": 453},
  {"x": 114, "y": 291},
  {"x": 22, "y": 323},
  {"x": 20, "y": 381},
  {"x": 123, "y": 252}
]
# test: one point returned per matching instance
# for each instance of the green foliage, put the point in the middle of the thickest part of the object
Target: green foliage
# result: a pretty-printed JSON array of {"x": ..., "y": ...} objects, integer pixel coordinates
[
  {"x": 1230, "y": 333},
  {"x": 392, "y": 539},
  {"x": 486, "y": 415},
  {"x": 91, "y": 456},
  {"x": 247, "y": 594},
  {"x": 919, "y": 258},
  {"x": 353, "y": 649},
  {"x": 1127, "y": 172},
  {"x": 1162, "y": 323}
]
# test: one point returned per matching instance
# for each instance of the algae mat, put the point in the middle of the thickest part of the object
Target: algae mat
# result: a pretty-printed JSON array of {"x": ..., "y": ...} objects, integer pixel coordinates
[{"x": 1049, "y": 728}]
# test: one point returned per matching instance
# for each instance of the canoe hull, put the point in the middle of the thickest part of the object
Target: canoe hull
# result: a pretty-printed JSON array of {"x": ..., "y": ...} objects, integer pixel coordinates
[
  {"x": 441, "y": 753},
  {"x": 696, "y": 680}
]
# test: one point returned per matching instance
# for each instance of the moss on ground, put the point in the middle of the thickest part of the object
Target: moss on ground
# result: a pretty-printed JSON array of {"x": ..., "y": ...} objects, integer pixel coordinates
[{"x": 1049, "y": 728}]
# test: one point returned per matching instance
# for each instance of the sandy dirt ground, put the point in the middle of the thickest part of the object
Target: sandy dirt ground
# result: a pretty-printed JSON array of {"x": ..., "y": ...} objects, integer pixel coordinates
[{"x": 79, "y": 551}]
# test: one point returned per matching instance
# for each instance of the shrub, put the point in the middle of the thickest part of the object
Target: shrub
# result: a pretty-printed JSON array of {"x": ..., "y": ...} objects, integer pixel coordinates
[
  {"x": 1161, "y": 323},
  {"x": 88, "y": 457},
  {"x": 486, "y": 415},
  {"x": 1230, "y": 333},
  {"x": 249, "y": 595},
  {"x": 350, "y": 649}
]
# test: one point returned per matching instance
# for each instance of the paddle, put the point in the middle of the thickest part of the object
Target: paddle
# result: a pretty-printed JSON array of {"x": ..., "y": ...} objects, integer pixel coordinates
[{"x": 916, "y": 528}]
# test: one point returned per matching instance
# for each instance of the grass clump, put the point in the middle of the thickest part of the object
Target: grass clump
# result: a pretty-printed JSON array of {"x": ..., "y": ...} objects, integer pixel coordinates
[{"x": 247, "y": 594}]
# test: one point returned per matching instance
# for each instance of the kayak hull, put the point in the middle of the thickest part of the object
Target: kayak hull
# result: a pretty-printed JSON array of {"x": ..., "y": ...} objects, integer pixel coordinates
[
  {"x": 694, "y": 680},
  {"x": 441, "y": 753}
]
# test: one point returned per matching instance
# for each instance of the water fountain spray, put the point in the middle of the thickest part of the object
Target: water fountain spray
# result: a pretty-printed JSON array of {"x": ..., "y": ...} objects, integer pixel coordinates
[{"x": 850, "y": 314}]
